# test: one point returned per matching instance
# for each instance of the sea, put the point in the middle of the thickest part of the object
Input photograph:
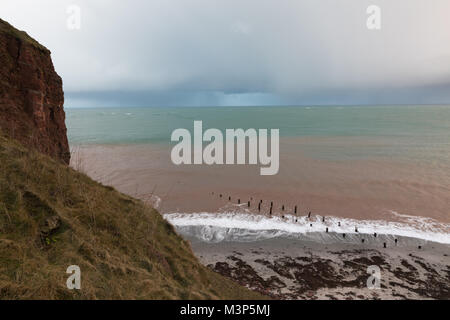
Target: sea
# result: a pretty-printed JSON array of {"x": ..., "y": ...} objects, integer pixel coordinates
[{"x": 352, "y": 169}]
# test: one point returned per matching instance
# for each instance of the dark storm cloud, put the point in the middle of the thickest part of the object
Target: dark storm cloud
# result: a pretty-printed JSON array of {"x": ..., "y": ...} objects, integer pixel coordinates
[{"x": 199, "y": 52}]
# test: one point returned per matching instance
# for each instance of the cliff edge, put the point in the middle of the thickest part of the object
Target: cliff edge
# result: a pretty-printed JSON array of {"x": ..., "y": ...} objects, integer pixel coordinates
[{"x": 31, "y": 95}]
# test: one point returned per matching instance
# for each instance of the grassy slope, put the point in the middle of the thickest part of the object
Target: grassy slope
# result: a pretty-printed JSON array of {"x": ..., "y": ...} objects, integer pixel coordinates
[{"x": 125, "y": 250}]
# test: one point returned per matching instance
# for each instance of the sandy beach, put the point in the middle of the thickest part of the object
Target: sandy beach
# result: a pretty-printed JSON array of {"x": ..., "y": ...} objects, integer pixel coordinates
[{"x": 293, "y": 269}]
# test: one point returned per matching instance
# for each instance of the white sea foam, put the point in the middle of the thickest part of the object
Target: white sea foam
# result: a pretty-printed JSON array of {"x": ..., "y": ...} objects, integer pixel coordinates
[{"x": 233, "y": 226}]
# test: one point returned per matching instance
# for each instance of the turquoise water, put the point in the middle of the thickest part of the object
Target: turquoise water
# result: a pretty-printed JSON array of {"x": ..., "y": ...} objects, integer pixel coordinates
[
  {"x": 412, "y": 131},
  {"x": 140, "y": 125}
]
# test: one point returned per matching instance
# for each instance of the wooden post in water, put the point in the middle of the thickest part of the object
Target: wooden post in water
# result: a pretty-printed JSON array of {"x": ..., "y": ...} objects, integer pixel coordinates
[
  {"x": 248, "y": 204},
  {"x": 295, "y": 210},
  {"x": 327, "y": 230},
  {"x": 259, "y": 207},
  {"x": 239, "y": 201},
  {"x": 282, "y": 207}
]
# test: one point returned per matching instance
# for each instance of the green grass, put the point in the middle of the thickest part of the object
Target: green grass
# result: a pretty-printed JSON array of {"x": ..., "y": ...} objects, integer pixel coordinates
[{"x": 124, "y": 248}]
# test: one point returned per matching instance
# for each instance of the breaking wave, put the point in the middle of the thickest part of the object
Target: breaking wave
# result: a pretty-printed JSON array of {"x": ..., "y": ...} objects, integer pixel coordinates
[{"x": 243, "y": 227}]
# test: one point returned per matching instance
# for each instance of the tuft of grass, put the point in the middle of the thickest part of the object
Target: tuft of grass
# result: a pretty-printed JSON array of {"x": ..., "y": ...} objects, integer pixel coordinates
[{"x": 52, "y": 216}]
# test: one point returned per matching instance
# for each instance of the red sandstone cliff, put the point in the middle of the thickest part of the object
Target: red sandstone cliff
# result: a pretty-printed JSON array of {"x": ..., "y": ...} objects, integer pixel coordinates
[{"x": 31, "y": 95}]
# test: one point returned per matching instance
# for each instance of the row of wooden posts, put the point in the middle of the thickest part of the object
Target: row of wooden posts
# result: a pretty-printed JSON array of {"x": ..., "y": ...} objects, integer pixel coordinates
[
  {"x": 309, "y": 216},
  {"x": 260, "y": 203}
]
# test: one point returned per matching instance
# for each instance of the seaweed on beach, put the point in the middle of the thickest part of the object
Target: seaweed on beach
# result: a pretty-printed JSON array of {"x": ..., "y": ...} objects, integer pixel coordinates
[{"x": 344, "y": 276}]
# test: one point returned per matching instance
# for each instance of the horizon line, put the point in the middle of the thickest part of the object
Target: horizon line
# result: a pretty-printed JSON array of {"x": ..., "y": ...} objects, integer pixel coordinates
[{"x": 268, "y": 106}]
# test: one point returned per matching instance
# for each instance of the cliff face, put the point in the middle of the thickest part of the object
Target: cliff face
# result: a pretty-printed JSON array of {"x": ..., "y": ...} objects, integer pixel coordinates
[{"x": 31, "y": 95}]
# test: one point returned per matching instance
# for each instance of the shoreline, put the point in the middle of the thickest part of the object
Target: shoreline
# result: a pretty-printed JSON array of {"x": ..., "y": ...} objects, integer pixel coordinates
[
  {"x": 294, "y": 269},
  {"x": 226, "y": 226},
  {"x": 319, "y": 265}
]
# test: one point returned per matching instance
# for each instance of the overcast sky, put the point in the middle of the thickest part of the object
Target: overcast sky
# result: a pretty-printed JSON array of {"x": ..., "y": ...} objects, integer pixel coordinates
[{"x": 243, "y": 52}]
